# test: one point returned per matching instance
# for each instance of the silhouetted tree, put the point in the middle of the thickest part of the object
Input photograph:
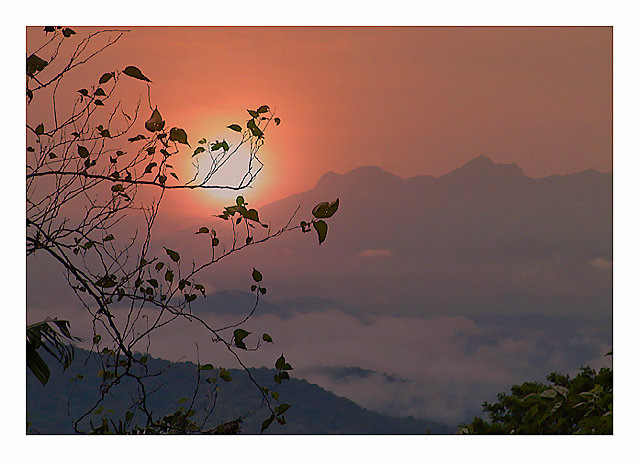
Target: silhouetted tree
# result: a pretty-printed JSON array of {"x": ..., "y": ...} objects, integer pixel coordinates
[
  {"x": 94, "y": 172},
  {"x": 579, "y": 405}
]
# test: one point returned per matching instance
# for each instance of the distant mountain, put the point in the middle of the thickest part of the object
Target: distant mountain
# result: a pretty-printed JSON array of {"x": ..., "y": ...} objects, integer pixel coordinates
[
  {"x": 313, "y": 409},
  {"x": 484, "y": 238}
]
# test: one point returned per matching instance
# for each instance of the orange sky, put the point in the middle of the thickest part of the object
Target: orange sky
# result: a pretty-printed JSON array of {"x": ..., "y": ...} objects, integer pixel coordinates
[{"x": 411, "y": 100}]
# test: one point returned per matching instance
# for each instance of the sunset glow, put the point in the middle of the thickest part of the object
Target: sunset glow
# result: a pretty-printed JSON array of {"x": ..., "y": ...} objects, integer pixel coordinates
[
  {"x": 384, "y": 96},
  {"x": 417, "y": 217}
]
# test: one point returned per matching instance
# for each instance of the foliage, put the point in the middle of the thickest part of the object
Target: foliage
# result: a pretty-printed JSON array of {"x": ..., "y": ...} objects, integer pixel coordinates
[
  {"x": 96, "y": 177},
  {"x": 53, "y": 336},
  {"x": 579, "y": 405}
]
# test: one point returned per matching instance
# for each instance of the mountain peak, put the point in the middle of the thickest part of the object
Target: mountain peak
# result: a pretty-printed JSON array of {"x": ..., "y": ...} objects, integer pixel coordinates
[
  {"x": 366, "y": 173},
  {"x": 480, "y": 161},
  {"x": 481, "y": 167}
]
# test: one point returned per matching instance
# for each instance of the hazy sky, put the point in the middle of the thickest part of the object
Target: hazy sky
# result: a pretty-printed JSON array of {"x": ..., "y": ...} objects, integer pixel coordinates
[{"x": 412, "y": 100}]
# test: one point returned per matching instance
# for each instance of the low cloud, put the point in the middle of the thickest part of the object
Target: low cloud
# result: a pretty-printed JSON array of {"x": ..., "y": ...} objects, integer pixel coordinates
[
  {"x": 375, "y": 253},
  {"x": 602, "y": 263},
  {"x": 443, "y": 368}
]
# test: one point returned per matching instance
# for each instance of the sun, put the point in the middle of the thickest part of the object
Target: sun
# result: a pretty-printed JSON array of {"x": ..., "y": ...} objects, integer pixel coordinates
[{"x": 233, "y": 169}]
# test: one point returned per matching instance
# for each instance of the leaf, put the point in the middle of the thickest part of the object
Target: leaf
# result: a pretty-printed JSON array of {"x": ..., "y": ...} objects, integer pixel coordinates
[
  {"x": 168, "y": 276},
  {"x": 98, "y": 102},
  {"x": 108, "y": 238},
  {"x": 159, "y": 266},
  {"x": 100, "y": 92},
  {"x": 251, "y": 214},
  {"x": 150, "y": 167},
  {"x": 282, "y": 408},
  {"x": 83, "y": 153},
  {"x": 561, "y": 390},
  {"x": 550, "y": 393},
  {"x": 67, "y": 32},
  {"x": 105, "y": 133},
  {"x": 263, "y": 291},
  {"x": 153, "y": 282},
  {"x": 174, "y": 175},
  {"x": 36, "y": 364},
  {"x": 240, "y": 201},
  {"x": 83, "y": 92},
  {"x": 325, "y": 209},
  {"x": 333, "y": 208},
  {"x": 105, "y": 78},
  {"x": 155, "y": 122},
  {"x": 35, "y": 64},
  {"x": 277, "y": 121},
  {"x": 267, "y": 338},
  {"x": 225, "y": 374},
  {"x": 39, "y": 129},
  {"x": 198, "y": 150},
  {"x": 134, "y": 72},
  {"x": 321, "y": 228},
  {"x": 203, "y": 230},
  {"x": 96, "y": 339},
  {"x": 255, "y": 131},
  {"x": 267, "y": 422},
  {"x": 256, "y": 275},
  {"x": 175, "y": 256},
  {"x": 205, "y": 367},
  {"x": 238, "y": 338},
  {"x": 137, "y": 138},
  {"x": 263, "y": 109},
  {"x": 117, "y": 188},
  {"x": 179, "y": 135},
  {"x": 235, "y": 127},
  {"x": 106, "y": 282},
  {"x": 253, "y": 113},
  {"x": 320, "y": 210},
  {"x": 280, "y": 362},
  {"x": 190, "y": 297}
]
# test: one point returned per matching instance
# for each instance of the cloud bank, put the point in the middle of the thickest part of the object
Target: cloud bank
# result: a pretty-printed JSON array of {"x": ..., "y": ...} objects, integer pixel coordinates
[{"x": 440, "y": 368}]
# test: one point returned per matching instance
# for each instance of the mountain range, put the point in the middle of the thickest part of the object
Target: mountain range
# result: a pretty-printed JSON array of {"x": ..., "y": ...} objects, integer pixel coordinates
[
  {"x": 483, "y": 239},
  {"x": 50, "y": 408}
]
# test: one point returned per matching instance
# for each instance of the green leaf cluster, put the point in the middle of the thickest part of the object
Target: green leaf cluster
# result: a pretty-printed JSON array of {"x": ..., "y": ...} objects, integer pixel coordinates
[
  {"x": 54, "y": 337},
  {"x": 320, "y": 212},
  {"x": 579, "y": 405}
]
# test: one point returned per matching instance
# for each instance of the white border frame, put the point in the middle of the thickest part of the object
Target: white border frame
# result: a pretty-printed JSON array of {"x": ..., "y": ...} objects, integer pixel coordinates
[{"x": 623, "y": 15}]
